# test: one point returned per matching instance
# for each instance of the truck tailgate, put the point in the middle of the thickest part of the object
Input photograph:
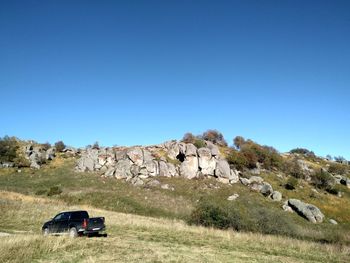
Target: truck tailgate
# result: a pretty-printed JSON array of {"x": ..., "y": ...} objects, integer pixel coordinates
[{"x": 96, "y": 223}]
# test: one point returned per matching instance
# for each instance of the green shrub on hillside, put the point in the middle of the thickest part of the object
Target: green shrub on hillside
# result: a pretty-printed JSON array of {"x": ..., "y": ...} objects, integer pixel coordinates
[
  {"x": 338, "y": 168},
  {"x": 303, "y": 151},
  {"x": 292, "y": 183},
  {"x": 8, "y": 149},
  {"x": 322, "y": 179},
  {"x": 251, "y": 153},
  {"x": 54, "y": 190},
  {"x": 214, "y": 136},
  {"x": 292, "y": 167},
  {"x": 227, "y": 216},
  {"x": 60, "y": 146}
]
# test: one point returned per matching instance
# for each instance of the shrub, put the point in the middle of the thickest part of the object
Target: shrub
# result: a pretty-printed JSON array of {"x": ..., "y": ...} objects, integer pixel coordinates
[
  {"x": 293, "y": 168},
  {"x": 215, "y": 137},
  {"x": 60, "y": 146},
  {"x": 199, "y": 143},
  {"x": 189, "y": 138},
  {"x": 322, "y": 179},
  {"x": 238, "y": 141},
  {"x": 41, "y": 192},
  {"x": 303, "y": 151},
  {"x": 252, "y": 218},
  {"x": 96, "y": 146},
  {"x": 292, "y": 183},
  {"x": 8, "y": 149},
  {"x": 54, "y": 190},
  {"x": 338, "y": 168},
  {"x": 237, "y": 159},
  {"x": 45, "y": 146}
]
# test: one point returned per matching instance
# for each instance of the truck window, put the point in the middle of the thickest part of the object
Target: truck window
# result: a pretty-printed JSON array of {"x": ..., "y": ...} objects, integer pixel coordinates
[{"x": 79, "y": 215}]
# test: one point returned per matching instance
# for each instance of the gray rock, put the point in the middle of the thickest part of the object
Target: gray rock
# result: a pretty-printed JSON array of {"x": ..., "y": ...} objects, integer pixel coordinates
[
  {"x": 206, "y": 162},
  {"x": 213, "y": 148},
  {"x": 287, "y": 208},
  {"x": 244, "y": 181},
  {"x": 234, "y": 176},
  {"x": 110, "y": 172},
  {"x": 266, "y": 189},
  {"x": 333, "y": 222},
  {"x": 172, "y": 170},
  {"x": 153, "y": 183},
  {"x": 256, "y": 179},
  {"x": 276, "y": 196},
  {"x": 189, "y": 167},
  {"x": 164, "y": 169},
  {"x": 135, "y": 155},
  {"x": 122, "y": 169},
  {"x": 151, "y": 167},
  {"x": 134, "y": 169},
  {"x": 191, "y": 150},
  {"x": 50, "y": 153},
  {"x": 309, "y": 211},
  {"x": 233, "y": 197},
  {"x": 167, "y": 187},
  {"x": 172, "y": 148},
  {"x": 147, "y": 156},
  {"x": 222, "y": 169},
  {"x": 223, "y": 180},
  {"x": 256, "y": 187},
  {"x": 136, "y": 181},
  {"x": 143, "y": 173}
]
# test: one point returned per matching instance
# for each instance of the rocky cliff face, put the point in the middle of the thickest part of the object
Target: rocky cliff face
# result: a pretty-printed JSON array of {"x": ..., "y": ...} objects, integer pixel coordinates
[{"x": 169, "y": 159}]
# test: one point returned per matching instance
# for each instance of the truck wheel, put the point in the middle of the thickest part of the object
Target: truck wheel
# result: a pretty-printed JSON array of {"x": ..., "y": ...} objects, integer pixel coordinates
[
  {"x": 73, "y": 232},
  {"x": 46, "y": 231}
]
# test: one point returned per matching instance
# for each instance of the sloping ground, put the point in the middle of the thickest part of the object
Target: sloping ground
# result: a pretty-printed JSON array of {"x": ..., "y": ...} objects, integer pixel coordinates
[
  {"x": 119, "y": 196},
  {"x": 134, "y": 238}
]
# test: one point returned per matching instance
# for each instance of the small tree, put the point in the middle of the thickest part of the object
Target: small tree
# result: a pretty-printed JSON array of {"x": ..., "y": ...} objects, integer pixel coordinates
[
  {"x": 96, "y": 146},
  {"x": 45, "y": 146},
  {"x": 214, "y": 136},
  {"x": 60, "y": 146},
  {"x": 189, "y": 138},
  {"x": 238, "y": 141},
  {"x": 8, "y": 149}
]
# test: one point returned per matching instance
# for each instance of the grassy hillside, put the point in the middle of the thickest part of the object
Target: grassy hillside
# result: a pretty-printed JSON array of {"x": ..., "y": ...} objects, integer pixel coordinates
[
  {"x": 134, "y": 238},
  {"x": 149, "y": 223},
  {"x": 120, "y": 196}
]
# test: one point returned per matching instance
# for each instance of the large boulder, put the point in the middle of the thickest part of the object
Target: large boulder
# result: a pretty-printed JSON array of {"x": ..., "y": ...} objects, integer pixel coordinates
[
  {"x": 206, "y": 163},
  {"x": 135, "y": 155},
  {"x": 266, "y": 189},
  {"x": 122, "y": 169},
  {"x": 234, "y": 176},
  {"x": 151, "y": 167},
  {"x": 309, "y": 211},
  {"x": 172, "y": 148},
  {"x": 276, "y": 196},
  {"x": 213, "y": 148},
  {"x": 222, "y": 169},
  {"x": 191, "y": 150},
  {"x": 163, "y": 169},
  {"x": 189, "y": 167}
]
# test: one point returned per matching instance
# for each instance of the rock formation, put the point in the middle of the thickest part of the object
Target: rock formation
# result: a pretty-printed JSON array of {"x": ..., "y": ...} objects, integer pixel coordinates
[{"x": 168, "y": 159}]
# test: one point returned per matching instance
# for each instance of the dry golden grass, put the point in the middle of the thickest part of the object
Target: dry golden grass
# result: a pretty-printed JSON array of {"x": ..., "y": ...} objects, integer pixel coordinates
[{"x": 134, "y": 238}]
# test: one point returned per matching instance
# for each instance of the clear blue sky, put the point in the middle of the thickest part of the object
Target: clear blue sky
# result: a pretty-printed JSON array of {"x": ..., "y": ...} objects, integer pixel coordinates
[{"x": 142, "y": 72}]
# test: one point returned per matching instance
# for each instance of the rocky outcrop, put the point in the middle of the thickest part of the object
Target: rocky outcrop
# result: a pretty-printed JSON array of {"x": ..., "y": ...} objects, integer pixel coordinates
[
  {"x": 169, "y": 159},
  {"x": 308, "y": 211},
  {"x": 37, "y": 155}
]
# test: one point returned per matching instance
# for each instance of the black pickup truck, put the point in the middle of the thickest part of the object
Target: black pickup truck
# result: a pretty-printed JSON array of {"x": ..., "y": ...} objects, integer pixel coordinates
[{"x": 75, "y": 223}]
